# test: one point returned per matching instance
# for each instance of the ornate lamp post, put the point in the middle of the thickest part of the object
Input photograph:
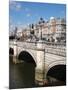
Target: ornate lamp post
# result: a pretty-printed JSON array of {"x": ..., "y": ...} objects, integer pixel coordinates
[
  {"x": 41, "y": 22},
  {"x": 31, "y": 30}
]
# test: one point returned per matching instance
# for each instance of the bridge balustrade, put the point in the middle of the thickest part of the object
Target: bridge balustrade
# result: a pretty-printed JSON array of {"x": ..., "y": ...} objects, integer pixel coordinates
[
  {"x": 49, "y": 47},
  {"x": 61, "y": 52}
]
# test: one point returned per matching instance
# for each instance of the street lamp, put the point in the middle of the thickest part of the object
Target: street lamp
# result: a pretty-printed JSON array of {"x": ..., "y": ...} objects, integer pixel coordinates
[
  {"x": 31, "y": 30},
  {"x": 41, "y": 22}
]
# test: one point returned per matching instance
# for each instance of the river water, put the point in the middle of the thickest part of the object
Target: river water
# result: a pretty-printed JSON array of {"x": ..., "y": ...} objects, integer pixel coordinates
[{"x": 22, "y": 75}]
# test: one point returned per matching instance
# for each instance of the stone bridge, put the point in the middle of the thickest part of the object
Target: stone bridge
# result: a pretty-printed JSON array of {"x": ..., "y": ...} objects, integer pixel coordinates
[{"x": 49, "y": 59}]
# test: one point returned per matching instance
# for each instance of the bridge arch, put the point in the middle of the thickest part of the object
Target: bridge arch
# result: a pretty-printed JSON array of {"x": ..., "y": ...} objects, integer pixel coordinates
[
  {"x": 11, "y": 54},
  {"x": 54, "y": 63},
  {"x": 57, "y": 70},
  {"x": 27, "y": 57},
  {"x": 11, "y": 51}
]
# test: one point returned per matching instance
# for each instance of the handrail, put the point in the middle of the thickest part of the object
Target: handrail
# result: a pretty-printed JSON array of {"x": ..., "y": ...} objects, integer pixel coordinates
[{"x": 43, "y": 42}]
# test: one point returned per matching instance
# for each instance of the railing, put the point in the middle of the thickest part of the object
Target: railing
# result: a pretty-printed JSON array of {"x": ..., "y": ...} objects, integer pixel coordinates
[
  {"x": 42, "y": 42},
  {"x": 53, "y": 48},
  {"x": 61, "y": 46},
  {"x": 56, "y": 51}
]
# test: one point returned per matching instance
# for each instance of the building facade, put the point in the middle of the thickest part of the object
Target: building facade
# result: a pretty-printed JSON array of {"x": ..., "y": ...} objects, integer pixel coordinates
[{"x": 53, "y": 30}]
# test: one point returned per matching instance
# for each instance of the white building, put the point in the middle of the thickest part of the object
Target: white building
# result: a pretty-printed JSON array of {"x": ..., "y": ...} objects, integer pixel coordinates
[{"x": 53, "y": 29}]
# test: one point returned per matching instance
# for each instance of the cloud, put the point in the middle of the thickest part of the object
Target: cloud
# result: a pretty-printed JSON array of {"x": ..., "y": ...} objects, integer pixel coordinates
[
  {"x": 18, "y": 7},
  {"x": 28, "y": 15},
  {"x": 27, "y": 9},
  {"x": 62, "y": 12},
  {"x": 15, "y": 5}
]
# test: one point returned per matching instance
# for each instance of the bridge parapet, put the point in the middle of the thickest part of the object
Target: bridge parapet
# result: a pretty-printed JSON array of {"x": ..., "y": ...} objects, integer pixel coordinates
[
  {"x": 44, "y": 44},
  {"x": 58, "y": 50},
  {"x": 23, "y": 44}
]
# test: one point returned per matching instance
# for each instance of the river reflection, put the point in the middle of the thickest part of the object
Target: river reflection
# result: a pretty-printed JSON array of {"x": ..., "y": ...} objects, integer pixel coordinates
[{"x": 22, "y": 75}]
